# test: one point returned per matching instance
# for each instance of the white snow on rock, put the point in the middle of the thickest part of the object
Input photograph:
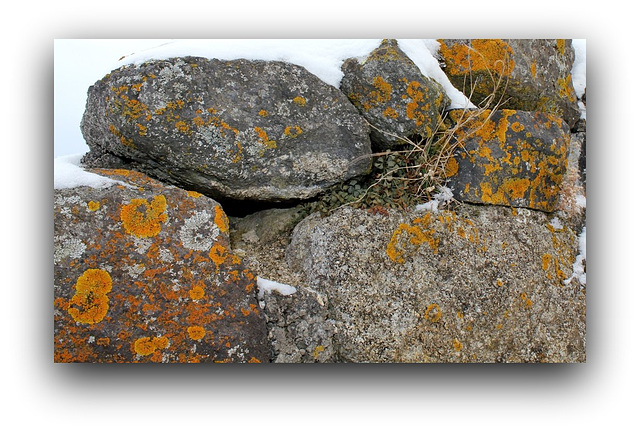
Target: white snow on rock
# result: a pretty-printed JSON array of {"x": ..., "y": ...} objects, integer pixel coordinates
[
  {"x": 268, "y": 286},
  {"x": 67, "y": 173}
]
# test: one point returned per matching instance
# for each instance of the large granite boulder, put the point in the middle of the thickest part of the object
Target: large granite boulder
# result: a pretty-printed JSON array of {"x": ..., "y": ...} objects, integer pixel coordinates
[
  {"x": 533, "y": 74},
  {"x": 478, "y": 284},
  {"x": 512, "y": 158},
  {"x": 258, "y": 130},
  {"x": 143, "y": 272},
  {"x": 393, "y": 95}
]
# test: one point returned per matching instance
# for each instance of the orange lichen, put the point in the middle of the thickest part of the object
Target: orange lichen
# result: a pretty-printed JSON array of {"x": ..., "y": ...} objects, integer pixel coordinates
[
  {"x": 546, "y": 260},
  {"x": 218, "y": 254},
  {"x": 264, "y": 139},
  {"x": 143, "y": 346},
  {"x": 457, "y": 345},
  {"x": 300, "y": 101},
  {"x": 566, "y": 88},
  {"x": 196, "y": 332},
  {"x": 433, "y": 313},
  {"x": 390, "y": 112},
  {"x": 560, "y": 45},
  {"x": 90, "y": 303},
  {"x": 451, "y": 167},
  {"x": 533, "y": 68},
  {"x": 292, "y": 131},
  {"x": 93, "y": 206},
  {"x": 493, "y": 55},
  {"x": 142, "y": 219},
  {"x": 194, "y": 194},
  {"x": 197, "y": 292},
  {"x": 517, "y": 127},
  {"x": 263, "y": 113},
  {"x": 221, "y": 219}
]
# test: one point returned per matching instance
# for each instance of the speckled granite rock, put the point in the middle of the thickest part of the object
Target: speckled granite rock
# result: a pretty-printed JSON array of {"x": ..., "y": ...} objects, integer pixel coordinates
[
  {"x": 474, "y": 284},
  {"x": 144, "y": 273},
  {"x": 240, "y": 129}
]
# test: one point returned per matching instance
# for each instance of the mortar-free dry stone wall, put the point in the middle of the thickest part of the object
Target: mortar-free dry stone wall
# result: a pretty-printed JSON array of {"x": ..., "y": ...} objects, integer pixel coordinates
[{"x": 153, "y": 270}]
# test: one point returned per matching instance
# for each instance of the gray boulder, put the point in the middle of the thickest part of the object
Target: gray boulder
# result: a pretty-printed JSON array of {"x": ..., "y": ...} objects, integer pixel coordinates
[
  {"x": 534, "y": 74},
  {"x": 257, "y": 130},
  {"x": 478, "y": 284},
  {"x": 392, "y": 94}
]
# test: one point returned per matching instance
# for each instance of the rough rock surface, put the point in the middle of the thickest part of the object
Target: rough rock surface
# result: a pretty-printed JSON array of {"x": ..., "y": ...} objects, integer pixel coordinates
[
  {"x": 239, "y": 129},
  {"x": 393, "y": 95},
  {"x": 536, "y": 73},
  {"x": 478, "y": 284},
  {"x": 143, "y": 272},
  {"x": 512, "y": 158}
]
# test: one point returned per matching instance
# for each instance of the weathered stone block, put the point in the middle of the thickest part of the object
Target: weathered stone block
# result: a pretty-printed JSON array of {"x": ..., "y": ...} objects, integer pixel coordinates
[
  {"x": 511, "y": 158},
  {"x": 144, "y": 273},
  {"x": 524, "y": 74}
]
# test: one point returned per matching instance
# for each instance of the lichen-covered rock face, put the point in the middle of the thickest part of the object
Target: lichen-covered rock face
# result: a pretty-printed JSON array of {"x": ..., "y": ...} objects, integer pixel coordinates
[
  {"x": 534, "y": 74},
  {"x": 393, "y": 95},
  {"x": 144, "y": 273},
  {"x": 239, "y": 129},
  {"x": 511, "y": 158},
  {"x": 478, "y": 284}
]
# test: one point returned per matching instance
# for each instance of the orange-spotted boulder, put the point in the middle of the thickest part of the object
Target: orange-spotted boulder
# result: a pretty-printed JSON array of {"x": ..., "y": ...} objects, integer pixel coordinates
[
  {"x": 511, "y": 158},
  {"x": 143, "y": 272},
  {"x": 238, "y": 129},
  {"x": 524, "y": 74},
  {"x": 392, "y": 95}
]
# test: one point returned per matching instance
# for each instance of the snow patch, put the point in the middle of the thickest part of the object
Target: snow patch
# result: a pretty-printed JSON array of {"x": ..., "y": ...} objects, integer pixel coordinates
[
  {"x": 67, "y": 173},
  {"x": 579, "y": 271},
  {"x": 268, "y": 286}
]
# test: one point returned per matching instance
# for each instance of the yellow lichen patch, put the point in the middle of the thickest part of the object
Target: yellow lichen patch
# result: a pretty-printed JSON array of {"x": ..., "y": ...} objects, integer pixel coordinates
[
  {"x": 218, "y": 254},
  {"x": 566, "y": 87},
  {"x": 292, "y": 131},
  {"x": 221, "y": 219},
  {"x": 411, "y": 235},
  {"x": 533, "y": 68},
  {"x": 194, "y": 194},
  {"x": 90, "y": 303},
  {"x": 317, "y": 350},
  {"x": 142, "y": 219},
  {"x": 546, "y": 260},
  {"x": 390, "y": 112},
  {"x": 433, "y": 313},
  {"x": 93, "y": 206},
  {"x": 196, "y": 332},
  {"x": 143, "y": 346},
  {"x": 300, "y": 101},
  {"x": 516, "y": 188},
  {"x": 517, "y": 127},
  {"x": 560, "y": 45},
  {"x": 263, "y": 113},
  {"x": 264, "y": 139},
  {"x": 451, "y": 167},
  {"x": 493, "y": 55},
  {"x": 457, "y": 345},
  {"x": 197, "y": 292}
]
